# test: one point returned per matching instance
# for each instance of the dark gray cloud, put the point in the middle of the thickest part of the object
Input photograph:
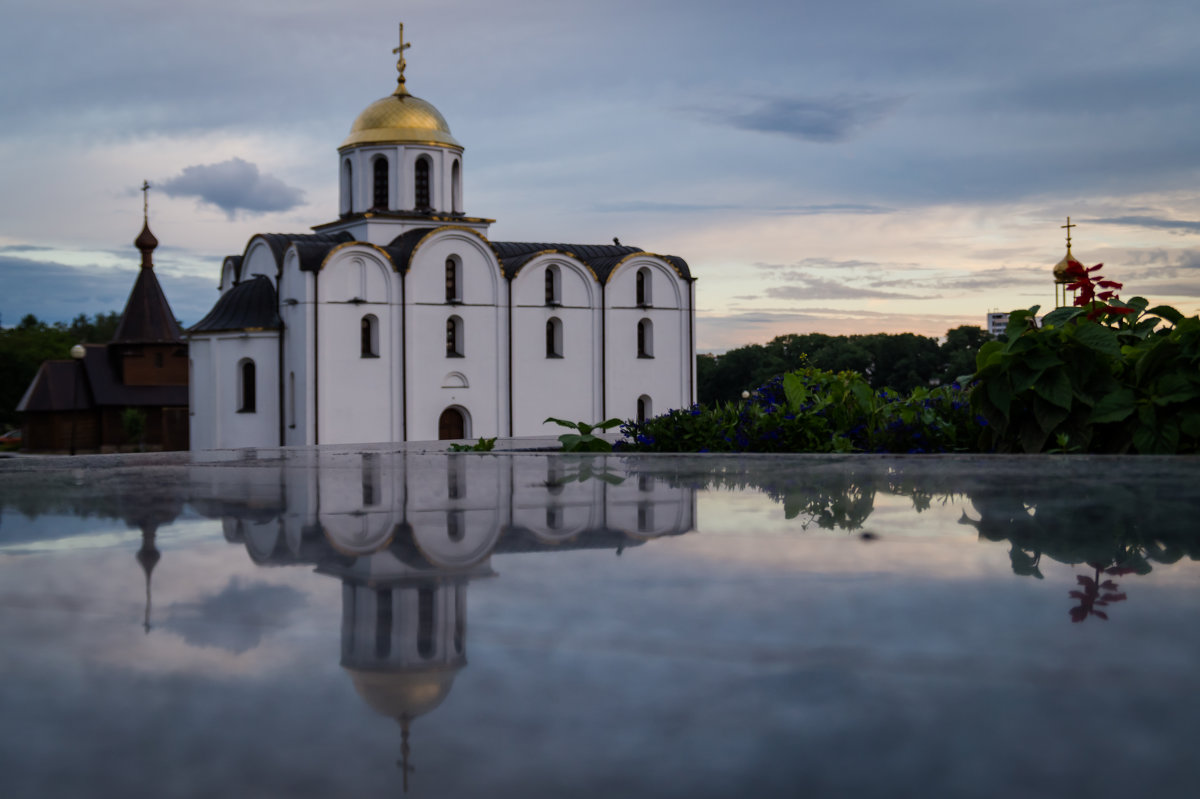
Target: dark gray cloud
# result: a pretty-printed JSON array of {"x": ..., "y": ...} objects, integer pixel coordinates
[
  {"x": 24, "y": 248},
  {"x": 233, "y": 185},
  {"x": 56, "y": 292},
  {"x": 816, "y": 119},
  {"x": 1154, "y": 222},
  {"x": 237, "y": 618}
]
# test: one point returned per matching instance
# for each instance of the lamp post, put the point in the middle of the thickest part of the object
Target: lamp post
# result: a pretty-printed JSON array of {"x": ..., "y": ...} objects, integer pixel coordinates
[{"x": 77, "y": 352}]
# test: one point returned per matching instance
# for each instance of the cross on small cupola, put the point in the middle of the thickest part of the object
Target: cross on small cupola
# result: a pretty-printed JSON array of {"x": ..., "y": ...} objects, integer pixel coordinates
[{"x": 145, "y": 240}]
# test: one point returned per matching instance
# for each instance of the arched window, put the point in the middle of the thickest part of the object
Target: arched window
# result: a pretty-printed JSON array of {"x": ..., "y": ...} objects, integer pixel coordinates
[
  {"x": 425, "y": 622},
  {"x": 645, "y": 339},
  {"x": 456, "y": 188},
  {"x": 644, "y": 408},
  {"x": 381, "y": 184},
  {"x": 421, "y": 184},
  {"x": 453, "y": 425},
  {"x": 246, "y": 386},
  {"x": 644, "y": 297},
  {"x": 383, "y": 623},
  {"x": 453, "y": 279},
  {"x": 454, "y": 337},
  {"x": 554, "y": 338},
  {"x": 553, "y": 285},
  {"x": 347, "y": 188},
  {"x": 554, "y": 517},
  {"x": 370, "y": 336}
]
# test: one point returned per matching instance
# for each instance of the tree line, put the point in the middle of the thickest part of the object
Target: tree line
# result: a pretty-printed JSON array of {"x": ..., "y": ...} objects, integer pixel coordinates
[
  {"x": 902, "y": 361},
  {"x": 24, "y": 347}
]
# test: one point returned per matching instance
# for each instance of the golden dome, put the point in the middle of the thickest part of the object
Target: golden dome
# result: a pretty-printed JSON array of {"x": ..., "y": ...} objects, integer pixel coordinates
[
  {"x": 405, "y": 694},
  {"x": 1060, "y": 268},
  {"x": 400, "y": 118}
]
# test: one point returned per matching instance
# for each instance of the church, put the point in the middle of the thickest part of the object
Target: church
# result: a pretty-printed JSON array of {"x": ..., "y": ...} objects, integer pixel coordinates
[{"x": 402, "y": 321}]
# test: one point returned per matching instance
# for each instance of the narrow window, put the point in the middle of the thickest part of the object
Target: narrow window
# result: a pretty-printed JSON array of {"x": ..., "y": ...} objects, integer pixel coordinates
[
  {"x": 381, "y": 183},
  {"x": 456, "y": 477},
  {"x": 554, "y": 337},
  {"x": 554, "y": 518},
  {"x": 372, "y": 479},
  {"x": 643, "y": 287},
  {"x": 460, "y": 619},
  {"x": 454, "y": 337},
  {"x": 453, "y": 273},
  {"x": 247, "y": 393},
  {"x": 421, "y": 184},
  {"x": 369, "y": 334},
  {"x": 383, "y": 623},
  {"x": 425, "y": 622},
  {"x": 291, "y": 399},
  {"x": 455, "y": 526},
  {"x": 553, "y": 283},
  {"x": 645, "y": 517},
  {"x": 347, "y": 188},
  {"x": 456, "y": 188},
  {"x": 645, "y": 339},
  {"x": 644, "y": 410}
]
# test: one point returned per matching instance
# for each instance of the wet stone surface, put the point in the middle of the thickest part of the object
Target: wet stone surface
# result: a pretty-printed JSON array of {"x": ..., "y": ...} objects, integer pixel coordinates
[{"x": 354, "y": 621}]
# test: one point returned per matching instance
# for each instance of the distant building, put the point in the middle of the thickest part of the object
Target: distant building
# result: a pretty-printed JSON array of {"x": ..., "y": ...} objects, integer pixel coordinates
[
  {"x": 77, "y": 405},
  {"x": 997, "y": 321},
  {"x": 402, "y": 321}
]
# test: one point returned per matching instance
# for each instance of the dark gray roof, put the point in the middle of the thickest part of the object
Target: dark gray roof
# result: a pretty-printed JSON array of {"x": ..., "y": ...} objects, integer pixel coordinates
[
  {"x": 62, "y": 386},
  {"x": 279, "y": 243},
  {"x": 249, "y": 305},
  {"x": 147, "y": 317},
  {"x": 602, "y": 258}
]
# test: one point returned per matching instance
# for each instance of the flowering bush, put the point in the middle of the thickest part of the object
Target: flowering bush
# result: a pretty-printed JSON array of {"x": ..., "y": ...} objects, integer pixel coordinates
[
  {"x": 1103, "y": 376},
  {"x": 812, "y": 410}
]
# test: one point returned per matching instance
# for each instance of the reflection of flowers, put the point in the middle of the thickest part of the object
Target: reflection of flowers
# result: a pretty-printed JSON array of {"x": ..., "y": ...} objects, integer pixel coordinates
[{"x": 1090, "y": 597}]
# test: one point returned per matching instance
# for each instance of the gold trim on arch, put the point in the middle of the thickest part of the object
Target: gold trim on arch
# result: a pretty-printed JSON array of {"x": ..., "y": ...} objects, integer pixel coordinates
[
  {"x": 633, "y": 255},
  {"x": 346, "y": 244},
  {"x": 443, "y": 228},
  {"x": 567, "y": 253}
]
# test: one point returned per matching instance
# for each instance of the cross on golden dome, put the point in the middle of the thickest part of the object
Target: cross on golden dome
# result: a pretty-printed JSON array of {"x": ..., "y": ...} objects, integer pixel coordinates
[
  {"x": 1068, "y": 227},
  {"x": 400, "y": 63}
]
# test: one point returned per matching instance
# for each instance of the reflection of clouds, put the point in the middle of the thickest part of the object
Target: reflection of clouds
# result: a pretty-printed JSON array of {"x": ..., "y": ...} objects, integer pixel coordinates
[{"x": 237, "y": 618}]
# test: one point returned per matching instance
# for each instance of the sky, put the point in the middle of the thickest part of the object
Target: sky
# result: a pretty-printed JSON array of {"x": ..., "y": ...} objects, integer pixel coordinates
[{"x": 841, "y": 167}]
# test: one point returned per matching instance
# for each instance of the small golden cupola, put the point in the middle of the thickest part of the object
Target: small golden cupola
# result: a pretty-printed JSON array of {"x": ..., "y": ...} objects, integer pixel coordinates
[{"x": 1061, "y": 269}]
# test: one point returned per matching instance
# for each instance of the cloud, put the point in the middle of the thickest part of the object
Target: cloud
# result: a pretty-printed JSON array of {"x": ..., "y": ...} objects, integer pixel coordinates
[
  {"x": 233, "y": 185},
  {"x": 816, "y": 288},
  {"x": 824, "y": 120},
  {"x": 650, "y": 207},
  {"x": 1154, "y": 222},
  {"x": 237, "y": 618}
]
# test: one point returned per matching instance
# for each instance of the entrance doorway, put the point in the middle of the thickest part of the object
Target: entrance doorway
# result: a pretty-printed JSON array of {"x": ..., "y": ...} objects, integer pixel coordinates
[{"x": 452, "y": 425}]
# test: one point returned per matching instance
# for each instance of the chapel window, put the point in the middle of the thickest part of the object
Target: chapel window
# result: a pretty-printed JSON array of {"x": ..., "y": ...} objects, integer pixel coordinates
[
  {"x": 553, "y": 285},
  {"x": 645, "y": 339},
  {"x": 644, "y": 410},
  {"x": 456, "y": 188},
  {"x": 421, "y": 184},
  {"x": 454, "y": 336},
  {"x": 383, "y": 623},
  {"x": 642, "y": 280},
  {"x": 453, "y": 279},
  {"x": 246, "y": 386},
  {"x": 554, "y": 336},
  {"x": 425, "y": 622},
  {"x": 369, "y": 334},
  {"x": 347, "y": 188},
  {"x": 381, "y": 183}
]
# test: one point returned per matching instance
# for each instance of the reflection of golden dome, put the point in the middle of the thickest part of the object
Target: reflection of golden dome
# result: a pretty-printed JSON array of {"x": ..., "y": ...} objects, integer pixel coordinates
[
  {"x": 400, "y": 118},
  {"x": 1060, "y": 268},
  {"x": 403, "y": 694}
]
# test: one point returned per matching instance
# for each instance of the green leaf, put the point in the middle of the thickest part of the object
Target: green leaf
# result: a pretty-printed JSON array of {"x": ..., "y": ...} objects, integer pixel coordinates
[
  {"x": 561, "y": 423},
  {"x": 570, "y": 441},
  {"x": 1054, "y": 386},
  {"x": 1174, "y": 387},
  {"x": 1099, "y": 338},
  {"x": 795, "y": 390},
  {"x": 584, "y": 428},
  {"x": 990, "y": 353},
  {"x": 1166, "y": 312},
  {"x": 1113, "y": 407},
  {"x": 1048, "y": 416},
  {"x": 608, "y": 424},
  {"x": 1157, "y": 439},
  {"x": 999, "y": 393},
  {"x": 1060, "y": 316}
]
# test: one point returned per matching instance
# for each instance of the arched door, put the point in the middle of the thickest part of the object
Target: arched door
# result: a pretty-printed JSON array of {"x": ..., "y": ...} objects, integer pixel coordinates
[{"x": 451, "y": 425}]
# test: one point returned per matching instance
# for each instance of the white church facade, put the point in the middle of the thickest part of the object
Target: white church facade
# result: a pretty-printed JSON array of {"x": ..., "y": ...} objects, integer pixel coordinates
[{"x": 403, "y": 321}]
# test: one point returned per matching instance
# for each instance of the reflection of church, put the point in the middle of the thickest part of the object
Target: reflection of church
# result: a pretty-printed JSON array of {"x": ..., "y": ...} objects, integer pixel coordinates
[
  {"x": 406, "y": 533},
  {"x": 402, "y": 321}
]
